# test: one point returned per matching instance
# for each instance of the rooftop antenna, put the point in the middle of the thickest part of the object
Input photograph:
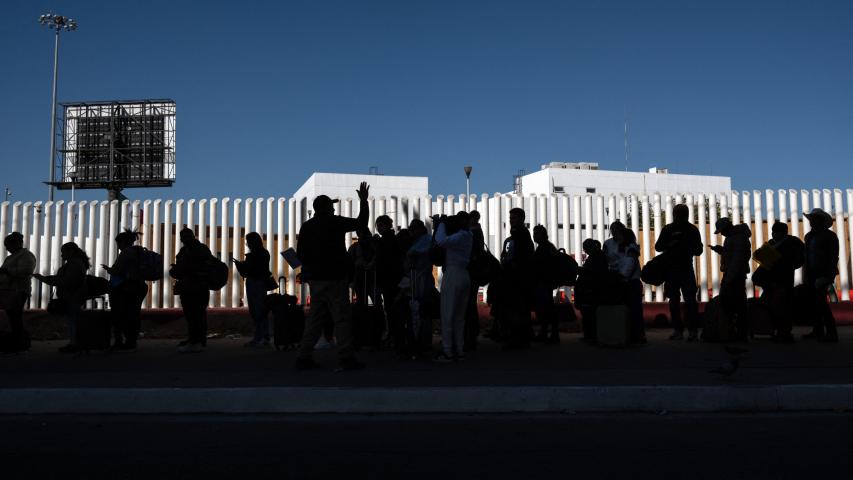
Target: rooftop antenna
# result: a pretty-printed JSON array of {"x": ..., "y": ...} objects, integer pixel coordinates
[{"x": 625, "y": 120}]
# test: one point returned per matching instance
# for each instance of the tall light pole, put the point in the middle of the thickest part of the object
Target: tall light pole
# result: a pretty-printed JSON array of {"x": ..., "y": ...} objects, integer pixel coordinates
[
  {"x": 57, "y": 23},
  {"x": 468, "y": 169}
]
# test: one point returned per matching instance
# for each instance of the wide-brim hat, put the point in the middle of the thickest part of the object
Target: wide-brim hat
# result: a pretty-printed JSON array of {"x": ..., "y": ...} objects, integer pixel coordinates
[{"x": 820, "y": 214}]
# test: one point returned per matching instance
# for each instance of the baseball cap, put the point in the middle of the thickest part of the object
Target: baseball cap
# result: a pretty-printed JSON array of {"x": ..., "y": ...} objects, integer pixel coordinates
[
  {"x": 323, "y": 201},
  {"x": 721, "y": 224}
]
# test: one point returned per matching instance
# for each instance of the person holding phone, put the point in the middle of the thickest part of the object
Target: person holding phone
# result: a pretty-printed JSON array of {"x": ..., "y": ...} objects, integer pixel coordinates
[
  {"x": 255, "y": 269},
  {"x": 735, "y": 254}
]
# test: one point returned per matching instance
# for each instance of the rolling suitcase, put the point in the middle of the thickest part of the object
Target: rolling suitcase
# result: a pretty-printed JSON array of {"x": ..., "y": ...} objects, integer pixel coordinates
[
  {"x": 718, "y": 324},
  {"x": 288, "y": 319},
  {"x": 368, "y": 320},
  {"x": 760, "y": 317},
  {"x": 612, "y": 327},
  {"x": 94, "y": 330}
]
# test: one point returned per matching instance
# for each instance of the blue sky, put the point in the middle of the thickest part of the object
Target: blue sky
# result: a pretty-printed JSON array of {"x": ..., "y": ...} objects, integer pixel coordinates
[{"x": 268, "y": 92}]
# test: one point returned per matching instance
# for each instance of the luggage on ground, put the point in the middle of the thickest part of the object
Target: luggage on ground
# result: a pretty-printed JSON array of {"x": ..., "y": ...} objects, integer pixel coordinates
[
  {"x": 288, "y": 319},
  {"x": 760, "y": 317},
  {"x": 718, "y": 324},
  {"x": 612, "y": 325},
  {"x": 94, "y": 330}
]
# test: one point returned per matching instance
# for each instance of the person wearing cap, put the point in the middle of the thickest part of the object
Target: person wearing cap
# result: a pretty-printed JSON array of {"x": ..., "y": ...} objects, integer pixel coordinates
[
  {"x": 326, "y": 269},
  {"x": 680, "y": 240},
  {"x": 819, "y": 272},
  {"x": 735, "y": 254},
  {"x": 15, "y": 282},
  {"x": 779, "y": 289}
]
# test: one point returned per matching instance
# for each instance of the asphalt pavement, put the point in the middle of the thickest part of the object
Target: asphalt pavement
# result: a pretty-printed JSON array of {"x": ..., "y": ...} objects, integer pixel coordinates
[
  {"x": 776, "y": 446},
  {"x": 227, "y": 364}
]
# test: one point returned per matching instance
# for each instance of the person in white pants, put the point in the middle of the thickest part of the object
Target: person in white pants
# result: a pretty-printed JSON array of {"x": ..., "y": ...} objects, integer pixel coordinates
[{"x": 455, "y": 238}]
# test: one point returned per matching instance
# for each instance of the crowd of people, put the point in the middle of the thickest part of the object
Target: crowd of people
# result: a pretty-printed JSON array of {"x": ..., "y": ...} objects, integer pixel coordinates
[{"x": 394, "y": 271}]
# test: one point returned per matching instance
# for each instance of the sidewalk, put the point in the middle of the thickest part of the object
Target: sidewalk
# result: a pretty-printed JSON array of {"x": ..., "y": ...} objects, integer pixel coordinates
[{"x": 662, "y": 375}]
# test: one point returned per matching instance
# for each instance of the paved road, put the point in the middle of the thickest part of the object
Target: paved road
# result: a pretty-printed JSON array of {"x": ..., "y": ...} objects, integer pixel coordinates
[
  {"x": 226, "y": 363},
  {"x": 403, "y": 447}
]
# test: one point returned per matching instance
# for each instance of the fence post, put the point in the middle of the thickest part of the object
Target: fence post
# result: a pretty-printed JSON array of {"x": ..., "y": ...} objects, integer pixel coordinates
[
  {"x": 646, "y": 239},
  {"x": 291, "y": 243},
  {"x": 577, "y": 223},
  {"x": 703, "y": 258},
  {"x": 843, "y": 277},
  {"x": 168, "y": 253},
  {"x": 224, "y": 242},
  {"x": 656, "y": 206},
  {"x": 599, "y": 219}
]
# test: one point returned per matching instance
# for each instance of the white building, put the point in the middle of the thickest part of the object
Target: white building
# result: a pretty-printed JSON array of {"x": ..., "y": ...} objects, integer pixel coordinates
[
  {"x": 343, "y": 186},
  {"x": 584, "y": 178}
]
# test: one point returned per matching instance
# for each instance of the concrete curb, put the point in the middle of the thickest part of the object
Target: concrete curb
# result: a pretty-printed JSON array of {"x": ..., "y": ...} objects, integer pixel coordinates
[{"x": 526, "y": 399}]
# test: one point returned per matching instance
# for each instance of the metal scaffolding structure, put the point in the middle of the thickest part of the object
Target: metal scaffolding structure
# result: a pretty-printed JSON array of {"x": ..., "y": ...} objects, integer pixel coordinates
[{"x": 116, "y": 144}]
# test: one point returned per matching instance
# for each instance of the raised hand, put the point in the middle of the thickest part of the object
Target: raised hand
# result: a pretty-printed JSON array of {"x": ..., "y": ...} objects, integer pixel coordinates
[{"x": 363, "y": 191}]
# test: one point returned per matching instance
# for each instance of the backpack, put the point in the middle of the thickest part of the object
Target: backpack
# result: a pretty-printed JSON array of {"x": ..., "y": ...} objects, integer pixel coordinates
[
  {"x": 565, "y": 269},
  {"x": 215, "y": 273},
  {"x": 655, "y": 270},
  {"x": 483, "y": 267},
  {"x": 150, "y": 265}
]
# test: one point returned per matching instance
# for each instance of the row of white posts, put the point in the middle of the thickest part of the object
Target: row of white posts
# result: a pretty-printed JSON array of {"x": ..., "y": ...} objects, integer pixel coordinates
[{"x": 222, "y": 223}]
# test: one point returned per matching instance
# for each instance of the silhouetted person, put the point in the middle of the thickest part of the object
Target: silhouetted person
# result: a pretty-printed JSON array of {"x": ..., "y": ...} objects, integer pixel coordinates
[
  {"x": 735, "y": 255},
  {"x": 421, "y": 291},
  {"x": 127, "y": 292},
  {"x": 255, "y": 269},
  {"x": 191, "y": 272},
  {"x": 611, "y": 245},
  {"x": 515, "y": 297},
  {"x": 779, "y": 291},
  {"x": 680, "y": 239},
  {"x": 592, "y": 280},
  {"x": 326, "y": 269},
  {"x": 362, "y": 256},
  {"x": 472, "y": 312},
  {"x": 819, "y": 272},
  {"x": 70, "y": 283},
  {"x": 454, "y": 237},
  {"x": 627, "y": 264},
  {"x": 544, "y": 283},
  {"x": 389, "y": 269},
  {"x": 15, "y": 286}
]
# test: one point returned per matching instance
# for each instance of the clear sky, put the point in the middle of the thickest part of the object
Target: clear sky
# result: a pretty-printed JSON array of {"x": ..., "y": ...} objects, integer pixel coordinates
[{"x": 268, "y": 92}]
